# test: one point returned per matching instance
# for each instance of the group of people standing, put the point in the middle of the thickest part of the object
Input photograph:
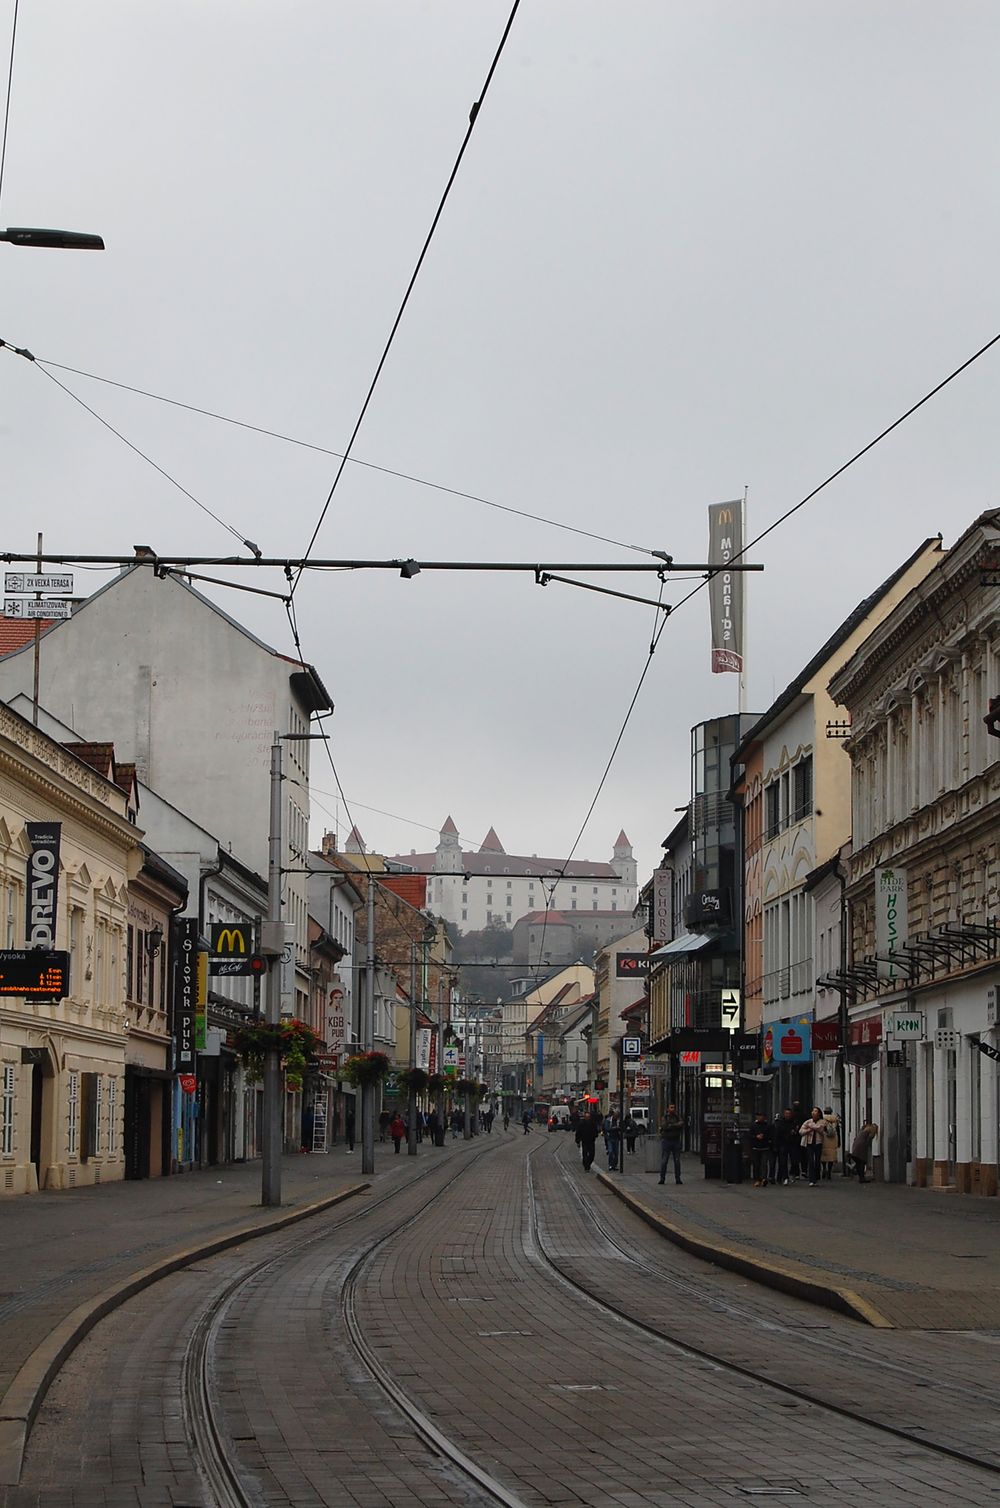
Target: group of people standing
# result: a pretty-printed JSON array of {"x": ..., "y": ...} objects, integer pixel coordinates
[
  {"x": 795, "y": 1146},
  {"x": 618, "y": 1132}
]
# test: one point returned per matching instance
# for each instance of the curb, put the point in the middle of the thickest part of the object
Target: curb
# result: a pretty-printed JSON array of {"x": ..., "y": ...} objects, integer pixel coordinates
[
  {"x": 769, "y": 1274},
  {"x": 24, "y": 1397}
]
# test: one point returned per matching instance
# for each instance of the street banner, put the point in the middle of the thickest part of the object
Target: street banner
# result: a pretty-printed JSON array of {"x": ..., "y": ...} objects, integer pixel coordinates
[
  {"x": 891, "y": 922},
  {"x": 201, "y": 1002},
  {"x": 185, "y": 994},
  {"x": 335, "y": 1020},
  {"x": 40, "y": 910},
  {"x": 725, "y": 588},
  {"x": 663, "y": 906},
  {"x": 423, "y": 1049}
]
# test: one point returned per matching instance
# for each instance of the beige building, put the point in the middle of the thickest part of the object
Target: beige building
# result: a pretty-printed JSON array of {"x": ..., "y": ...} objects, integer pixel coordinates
[{"x": 62, "y": 1062}]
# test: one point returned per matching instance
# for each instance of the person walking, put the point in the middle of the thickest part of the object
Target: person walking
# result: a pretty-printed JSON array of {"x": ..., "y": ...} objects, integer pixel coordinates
[
  {"x": 796, "y": 1151},
  {"x": 761, "y": 1149},
  {"x": 586, "y": 1139},
  {"x": 861, "y": 1148},
  {"x": 349, "y": 1128},
  {"x": 506, "y": 1119},
  {"x": 383, "y": 1124},
  {"x": 526, "y": 1121},
  {"x": 613, "y": 1140},
  {"x": 671, "y": 1136},
  {"x": 397, "y": 1130},
  {"x": 811, "y": 1134},
  {"x": 457, "y": 1123},
  {"x": 831, "y": 1143},
  {"x": 785, "y": 1139},
  {"x": 630, "y": 1131}
]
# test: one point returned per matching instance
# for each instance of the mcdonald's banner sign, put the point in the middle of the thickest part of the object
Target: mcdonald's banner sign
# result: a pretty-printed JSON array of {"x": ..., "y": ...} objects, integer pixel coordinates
[
  {"x": 725, "y": 588},
  {"x": 232, "y": 947}
]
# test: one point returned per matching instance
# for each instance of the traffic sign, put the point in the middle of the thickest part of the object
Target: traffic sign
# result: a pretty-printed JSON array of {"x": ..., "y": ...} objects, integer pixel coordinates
[
  {"x": 19, "y": 581},
  {"x": 35, "y": 607},
  {"x": 731, "y": 1009},
  {"x": 631, "y": 1047}
]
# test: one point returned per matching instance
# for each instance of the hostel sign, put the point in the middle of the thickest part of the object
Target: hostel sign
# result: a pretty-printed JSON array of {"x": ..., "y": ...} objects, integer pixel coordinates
[{"x": 891, "y": 922}]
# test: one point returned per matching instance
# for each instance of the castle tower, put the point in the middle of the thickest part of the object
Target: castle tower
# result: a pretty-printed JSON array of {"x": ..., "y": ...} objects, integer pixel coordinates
[
  {"x": 625, "y": 865},
  {"x": 355, "y": 842},
  {"x": 448, "y": 854}
]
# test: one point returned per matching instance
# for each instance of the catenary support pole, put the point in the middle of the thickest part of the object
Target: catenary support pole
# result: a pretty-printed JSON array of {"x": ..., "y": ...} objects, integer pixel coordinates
[
  {"x": 368, "y": 1038},
  {"x": 271, "y": 1168},
  {"x": 411, "y": 1132}
]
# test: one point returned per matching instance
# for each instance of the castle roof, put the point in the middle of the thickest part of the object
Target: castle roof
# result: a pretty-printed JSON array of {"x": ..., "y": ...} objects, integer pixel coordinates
[
  {"x": 449, "y": 827},
  {"x": 491, "y": 843},
  {"x": 622, "y": 841}
]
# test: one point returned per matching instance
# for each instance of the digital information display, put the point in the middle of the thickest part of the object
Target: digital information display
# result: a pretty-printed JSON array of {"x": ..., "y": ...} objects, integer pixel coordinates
[{"x": 34, "y": 972}]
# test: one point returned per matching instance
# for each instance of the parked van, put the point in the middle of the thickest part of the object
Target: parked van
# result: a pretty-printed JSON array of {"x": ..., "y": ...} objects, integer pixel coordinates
[
  {"x": 559, "y": 1118},
  {"x": 640, "y": 1115}
]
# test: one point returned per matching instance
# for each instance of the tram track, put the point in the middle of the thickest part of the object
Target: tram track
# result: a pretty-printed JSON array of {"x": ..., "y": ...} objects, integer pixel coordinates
[
  {"x": 714, "y": 1357},
  {"x": 228, "y": 1484}
]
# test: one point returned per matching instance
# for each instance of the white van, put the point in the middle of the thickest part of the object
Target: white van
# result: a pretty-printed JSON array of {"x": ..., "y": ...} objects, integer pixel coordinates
[
  {"x": 640, "y": 1115},
  {"x": 558, "y": 1117}
]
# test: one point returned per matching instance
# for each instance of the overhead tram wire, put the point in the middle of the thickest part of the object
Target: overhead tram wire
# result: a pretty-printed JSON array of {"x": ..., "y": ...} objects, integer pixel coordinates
[
  {"x": 749, "y": 545},
  {"x": 6, "y": 111},
  {"x": 403, "y": 476},
  {"x": 473, "y": 117},
  {"x": 106, "y": 424}
]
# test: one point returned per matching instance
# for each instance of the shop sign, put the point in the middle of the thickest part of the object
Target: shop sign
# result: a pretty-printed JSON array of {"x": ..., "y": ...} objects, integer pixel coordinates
[
  {"x": 662, "y": 906},
  {"x": 449, "y": 1063},
  {"x": 423, "y": 1048},
  {"x": 891, "y": 921},
  {"x": 43, "y": 884},
  {"x": 185, "y": 993},
  {"x": 631, "y": 965},
  {"x": 335, "y": 1021},
  {"x": 788, "y": 1041},
  {"x": 866, "y": 1033},
  {"x": 826, "y": 1036},
  {"x": 906, "y": 1027}
]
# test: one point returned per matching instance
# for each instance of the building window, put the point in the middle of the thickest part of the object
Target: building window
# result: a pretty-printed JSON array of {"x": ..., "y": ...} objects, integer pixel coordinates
[
  {"x": 614, "y": 905},
  {"x": 465, "y": 897},
  {"x": 112, "y": 1117},
  {"x": 595, "y": 889},
  {"x": 802, "y": 788},
  {"x": 7, "y": 1111},
  {"x": 98, "y": 1114},
  {"x": 465, "y": 916},
  {"x": 72, "y": 1113},
  {"x": 772, "y": 807},
  {"x": 613, "y": 890},
  {"x": 508, "y": 918},
  {"x": 509, "y": 883},
  {"x": 574, "y": 902},
  {"x": 594, "y": 905},
  {"x": 573, "y": 889}
]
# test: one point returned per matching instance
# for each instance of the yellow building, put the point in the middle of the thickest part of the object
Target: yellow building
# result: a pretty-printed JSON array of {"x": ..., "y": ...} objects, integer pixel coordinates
[{"x": 62, "y": 1062}]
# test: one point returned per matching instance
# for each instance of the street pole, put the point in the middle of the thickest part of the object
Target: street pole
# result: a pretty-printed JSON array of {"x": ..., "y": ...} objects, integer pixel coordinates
[
  {"x": 621, "y": 1105},
  {"x": 411, "y": 1133},
  {"x": 38, "y": 647},
  {"x": 271, "y": 1169},
  {"x": 368, "y": 1038}
]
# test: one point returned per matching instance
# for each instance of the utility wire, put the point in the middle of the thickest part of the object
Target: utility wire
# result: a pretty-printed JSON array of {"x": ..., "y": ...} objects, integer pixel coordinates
[
  {"x": 473, "y": 117},
  {"x": 404, "y": 476},
  {"x": 142, "y": 455},
  {"x": 6, "y": 112},
  {"x": 776, "y": 523}
]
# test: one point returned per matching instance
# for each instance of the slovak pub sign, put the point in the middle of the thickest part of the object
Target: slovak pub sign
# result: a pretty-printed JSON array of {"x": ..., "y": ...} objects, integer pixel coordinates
[{"x": 186, "y": 995}]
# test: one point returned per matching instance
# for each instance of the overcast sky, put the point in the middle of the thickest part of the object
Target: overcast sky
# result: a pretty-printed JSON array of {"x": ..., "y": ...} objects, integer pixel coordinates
[{"x": 692, "y": 247}]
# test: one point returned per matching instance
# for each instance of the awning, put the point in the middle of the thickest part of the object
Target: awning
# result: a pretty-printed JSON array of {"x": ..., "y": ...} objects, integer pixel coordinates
[{"x": 688, "y": 942}]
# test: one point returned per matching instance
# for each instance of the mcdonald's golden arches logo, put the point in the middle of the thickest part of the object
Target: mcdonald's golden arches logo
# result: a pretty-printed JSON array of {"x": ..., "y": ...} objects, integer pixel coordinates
[{"x": 231, "y": 939}]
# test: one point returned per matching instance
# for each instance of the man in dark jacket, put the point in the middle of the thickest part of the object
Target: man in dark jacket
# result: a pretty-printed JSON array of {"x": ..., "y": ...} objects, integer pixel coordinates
[
  {"x": 761, "y": 1147},
  {"x": 671, "y": 1136},
  {"x": 786, "y": 1142},
  {"x": 586, "y": 1139}
]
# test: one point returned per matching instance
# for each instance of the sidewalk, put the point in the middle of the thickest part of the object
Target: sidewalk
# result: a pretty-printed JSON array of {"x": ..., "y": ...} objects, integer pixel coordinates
[
  {"x": 63, "y": 1254},
  {"x": 892, "y": 1255}
]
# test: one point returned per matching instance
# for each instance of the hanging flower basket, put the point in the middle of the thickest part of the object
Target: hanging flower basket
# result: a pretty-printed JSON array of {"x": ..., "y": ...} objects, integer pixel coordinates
[
  {"x": 295, "y": 1042},
  {"x": 366, "y": 1068},
  {"x": 467, "y": 1086},
  {"x": 415, "y": 1079},
  {"x": 436, "y": 1082}
]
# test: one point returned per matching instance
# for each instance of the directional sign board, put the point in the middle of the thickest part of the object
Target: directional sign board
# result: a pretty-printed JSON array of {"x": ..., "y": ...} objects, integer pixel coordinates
[
  {"x": 731, "y": 1009},
  {"x": 33, "y": 607},
  {"x": 18, "y": 581}
]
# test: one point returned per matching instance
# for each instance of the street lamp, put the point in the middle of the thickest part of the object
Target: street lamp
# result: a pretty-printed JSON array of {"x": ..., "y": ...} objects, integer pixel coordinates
[{"x": 59, "y": 240}]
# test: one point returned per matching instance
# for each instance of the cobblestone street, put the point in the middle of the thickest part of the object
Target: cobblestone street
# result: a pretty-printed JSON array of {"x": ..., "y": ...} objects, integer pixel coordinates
[{"x": 488, "y": 1308}]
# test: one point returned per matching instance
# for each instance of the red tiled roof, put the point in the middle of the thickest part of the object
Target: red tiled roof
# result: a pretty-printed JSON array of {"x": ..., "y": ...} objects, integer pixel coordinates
[
  {"x": 621, "y": 841},
  {"x": 535, "y": 918},
  {"x": 449, "y": 826},
  {"x": 15, "y": 633},
  {"x": 491, "y": 843},
  {"x": 411, "y": 888},
  {"x": 100, "y": 757},
  {"x": 514, "y": 864}
]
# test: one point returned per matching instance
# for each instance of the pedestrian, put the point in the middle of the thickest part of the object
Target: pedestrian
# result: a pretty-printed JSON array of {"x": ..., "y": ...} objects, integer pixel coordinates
[
  {"x": 349, "y": 1128},
  {"x": 308, "y": 1121},
  {"x": 761, "y": 1149},
  {"x": 586, "y": 1139},
  {"x": 671, "y": 1135},
  {"x": 796, "y": 1152},
  {"x": 506, "y": 1119},
  {"x": 526, "y": 1121},
  {"x": 831, "y": 1143},
  {"x": 433, "y": 1126},
  {"x": 811, "y": 1134},
  {"x": 457, "y": 1123},
  {"x": 785, "y": 1138},
  {"x": 630, "y": 1131},
  {"x": 489, "y": 1121},
  {"x": 383, "y": 1124},
  {"x": 613, "y": 1140},
  {"x": 397, "y": 1130},
  {"x": 861, "y": 1148}
]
